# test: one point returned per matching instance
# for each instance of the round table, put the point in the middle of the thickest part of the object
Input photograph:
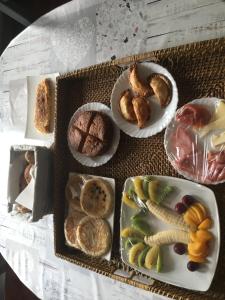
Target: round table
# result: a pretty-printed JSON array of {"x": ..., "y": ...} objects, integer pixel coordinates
[{"x": 78, "y": 34}]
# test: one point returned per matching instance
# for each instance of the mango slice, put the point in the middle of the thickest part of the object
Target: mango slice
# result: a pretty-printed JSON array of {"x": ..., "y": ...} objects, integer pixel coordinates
[
  {"x": 198, "y": 249},
  {"x": 206, "y": 224},
  {"x": 198, "y": 259}
]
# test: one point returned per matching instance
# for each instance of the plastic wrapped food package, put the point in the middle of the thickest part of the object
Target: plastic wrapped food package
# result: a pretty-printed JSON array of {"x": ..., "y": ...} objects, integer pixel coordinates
[
  {"x": 195, "y": 141},
  {"x": 87, "y": 222}
]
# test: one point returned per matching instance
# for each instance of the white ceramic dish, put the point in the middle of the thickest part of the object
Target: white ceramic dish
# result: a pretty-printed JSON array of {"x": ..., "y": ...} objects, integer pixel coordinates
[
  {"x": 105, "y": 157},
  {"x": 31, "y": 131},
  {"x": 160, "y": 118},
  {"x": 175, "y": 270},
  {"x": 205, "y": 141},
  {"x": 110, "y": 219}
]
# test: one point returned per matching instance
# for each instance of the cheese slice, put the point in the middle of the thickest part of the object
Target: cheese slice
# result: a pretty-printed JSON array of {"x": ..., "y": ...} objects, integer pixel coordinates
[
  {"x": 218, "y": 140},
  {"x": 220, "y": 110},
  {"x": 218, "y": 124}
]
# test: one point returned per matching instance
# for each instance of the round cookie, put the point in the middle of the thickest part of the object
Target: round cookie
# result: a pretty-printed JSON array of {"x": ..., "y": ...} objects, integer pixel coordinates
[
  {"x": 96, "y": 198},
  {"x": 94, "y": 236}
]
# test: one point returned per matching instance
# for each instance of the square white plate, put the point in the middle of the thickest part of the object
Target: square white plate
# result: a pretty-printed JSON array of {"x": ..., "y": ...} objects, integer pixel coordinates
[
  {"x": 175, "y": 270},
  {"x": 32, "y": 83},
  {"x": 110, "y": 218}
]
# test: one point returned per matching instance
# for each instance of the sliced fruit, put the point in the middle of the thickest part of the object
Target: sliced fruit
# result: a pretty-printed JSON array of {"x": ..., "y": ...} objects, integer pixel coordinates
[
  {"x": 199, "y": 212},
  {"x": 198, "y": 249},
  {"x": 131, "y": 242},
  {"x": 202, "y": 208},
  {"x": 141, "y": 226},
  {"x": 193, "y": 216},
  {"x": 134, "y": 253},
  {"x": 204, "y": 235},
  {"x": 151, "y": 257},
  {"x": 142, "y": 255},
  {"x": 139, "y": 216},
  {"x": 145, "y": 182},
  {"x": 128, "y": 201},
  {"x": 190, "y": 221},
  {"x": 153, "y": 187},
  {"x": 206, "y": 224},
  {"x": 198, "y": 259},
  {"x": 138, "y": 188},
  {"x": 196, "y": 214},
  {"x": 159, "y": 263},
  {"x": 167, "y": 237},
  {"x": 130, "y": 232}
]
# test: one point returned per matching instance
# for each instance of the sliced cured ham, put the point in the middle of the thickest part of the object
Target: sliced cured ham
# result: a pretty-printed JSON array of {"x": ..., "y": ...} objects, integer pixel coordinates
[
  {"x": 195, "y": 115},
  {"x": 215, "y": 166}
]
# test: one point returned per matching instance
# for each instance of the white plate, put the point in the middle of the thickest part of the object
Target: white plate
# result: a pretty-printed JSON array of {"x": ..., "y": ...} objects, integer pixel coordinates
[
  {"x": 105, "y": 157},
  {"x": 160, "y": 118},
  {"x": 110, "y": 218},
  {"x": 31, "y": 131},
  {"x": 210, "y": 104},
  {"x": 175, "y": 270}
]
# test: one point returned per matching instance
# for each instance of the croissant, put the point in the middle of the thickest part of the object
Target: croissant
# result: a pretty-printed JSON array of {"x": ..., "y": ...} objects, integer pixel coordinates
[
  {"x": 161, "y": 87},
  {"x": 126, "y": 106},
  {"x": 142, "y": 111},
  {"x": 138, "y": 86}
]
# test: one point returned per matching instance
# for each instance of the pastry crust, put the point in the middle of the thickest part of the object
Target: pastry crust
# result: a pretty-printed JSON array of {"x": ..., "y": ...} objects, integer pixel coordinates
[
  {"x": 142, "y": 111},
  {"x": 27, "y": 175},
  {"x": 96, "y": 198},
  {"x": 138, "y": 86},
  {"x": 43, "y": 107},
  {"x": 126, "y": 106},
  {"x": 94, "y": 236},
  {"x": 29, "y": 156},
  {"x": 161, "y": 87},
  {"x": 70, "y": 228}
]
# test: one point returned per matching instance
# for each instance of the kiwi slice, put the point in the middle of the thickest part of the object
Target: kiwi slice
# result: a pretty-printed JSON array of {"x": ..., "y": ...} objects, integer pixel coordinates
[{"x": 141, "y": 226}]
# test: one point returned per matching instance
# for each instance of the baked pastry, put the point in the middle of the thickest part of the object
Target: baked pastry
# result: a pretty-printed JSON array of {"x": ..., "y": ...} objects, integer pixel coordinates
[
  {"x": 43, "y": 107},
  {"x": 22, "y": 209},
  {"x": 70, "y": 228},
  {"x": 126, "y": 106},
  {"x": 72, "y": 193},
  {"x": 96, "y": 198},
  {"x": 29, "y": 156},
  {"x": 90, "y": 133},
  {"x": 139, "y": 87},
  {"x": 161, "y": 87},
  {"x": 142, "y": 111},
  {"x": 94, "y": 236},
  {"x": 27, "y": 175}
]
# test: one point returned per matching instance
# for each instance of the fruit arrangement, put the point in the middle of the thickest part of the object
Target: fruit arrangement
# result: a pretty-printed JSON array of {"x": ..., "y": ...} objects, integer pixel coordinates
[{"x": 190, "y": 220}]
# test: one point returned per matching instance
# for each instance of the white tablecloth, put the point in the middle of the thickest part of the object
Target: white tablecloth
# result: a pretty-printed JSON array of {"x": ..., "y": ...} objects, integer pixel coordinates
[{"x": 79, "y": 34}]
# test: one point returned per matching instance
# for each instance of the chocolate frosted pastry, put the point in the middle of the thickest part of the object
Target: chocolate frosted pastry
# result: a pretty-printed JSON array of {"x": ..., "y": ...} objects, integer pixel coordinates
[
  {"x": 161, "y": 87},
  {"x": 90, "y": 133}
]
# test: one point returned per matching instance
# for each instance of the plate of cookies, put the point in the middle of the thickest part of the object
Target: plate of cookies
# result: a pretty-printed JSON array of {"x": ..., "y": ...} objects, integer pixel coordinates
[
  {"x": 92, "y": 136},
  {"x": 88, "y": 224},
  {"x": 144, "y": 99}
]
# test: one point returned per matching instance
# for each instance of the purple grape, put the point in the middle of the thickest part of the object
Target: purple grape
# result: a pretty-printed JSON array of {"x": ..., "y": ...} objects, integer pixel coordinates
[
  {"x": 180, "y": 208},
  {"x": 192, "y": 266},
  {"x": 188, "y": 200},
  {"x": 179, "y": 248}
]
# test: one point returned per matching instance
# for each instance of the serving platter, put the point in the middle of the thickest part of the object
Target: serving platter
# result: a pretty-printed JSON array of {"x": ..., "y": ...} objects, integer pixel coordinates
[
  {"x": 174, "y": 270},
  {"x": 199, "y": 71}
]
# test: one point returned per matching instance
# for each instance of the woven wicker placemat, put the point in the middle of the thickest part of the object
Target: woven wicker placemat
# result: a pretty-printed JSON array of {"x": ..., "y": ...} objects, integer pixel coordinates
[{"x": 199, "y": 70}]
